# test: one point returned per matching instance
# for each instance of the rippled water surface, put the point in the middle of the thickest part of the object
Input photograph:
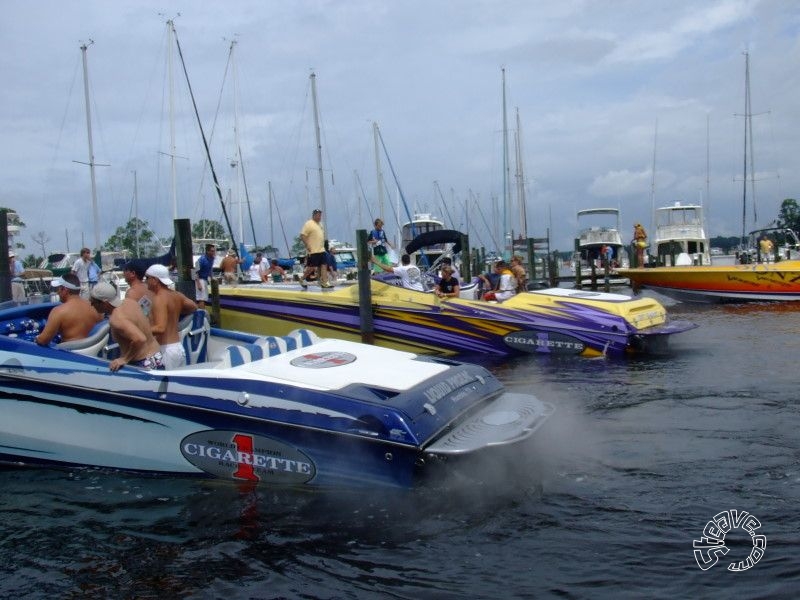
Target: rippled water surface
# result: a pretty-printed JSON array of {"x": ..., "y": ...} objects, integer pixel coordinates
[{"x": 639, "y": 456}]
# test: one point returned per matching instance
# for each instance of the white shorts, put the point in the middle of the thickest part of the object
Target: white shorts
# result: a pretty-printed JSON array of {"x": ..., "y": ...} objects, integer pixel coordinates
[
  {"x": 202, "y": 293},
  {"x": 173, "y": 355}
]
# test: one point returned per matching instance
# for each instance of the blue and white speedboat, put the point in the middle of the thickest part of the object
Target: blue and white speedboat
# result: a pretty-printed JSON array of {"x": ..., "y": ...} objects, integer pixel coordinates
[{"x": 292, "y": 410}]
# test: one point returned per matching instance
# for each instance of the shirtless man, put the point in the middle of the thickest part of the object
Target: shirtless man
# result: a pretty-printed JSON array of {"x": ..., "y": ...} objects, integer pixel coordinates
[
  {"x": 129, "y": 328},
  {"x": 168, "y": 307},
  {"x": 137, "y": 290},
  {"x": 228, "y": 267},
  {"x": 73, "y": 318}
]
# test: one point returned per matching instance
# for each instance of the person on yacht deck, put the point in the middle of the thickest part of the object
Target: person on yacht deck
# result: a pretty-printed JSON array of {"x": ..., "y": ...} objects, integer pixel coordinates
[
  {"x": 506, "y": 287},
  {"x": 448, "y": 286},
  {"x": 410, "y": 275},
  {"x": 378, "y": 241},
  {"x": 313, "y": 237}
]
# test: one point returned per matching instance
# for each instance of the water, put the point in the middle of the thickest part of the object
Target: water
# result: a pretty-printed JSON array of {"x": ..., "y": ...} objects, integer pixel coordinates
[{"x": 640, "y": 455}]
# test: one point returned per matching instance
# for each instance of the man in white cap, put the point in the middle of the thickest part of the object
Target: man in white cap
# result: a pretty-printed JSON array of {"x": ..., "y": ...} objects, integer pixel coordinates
[
  {"x": 168, "y": 305},
  {"x": 73, "y": 318},
  {"x": 129, "y": 328}
]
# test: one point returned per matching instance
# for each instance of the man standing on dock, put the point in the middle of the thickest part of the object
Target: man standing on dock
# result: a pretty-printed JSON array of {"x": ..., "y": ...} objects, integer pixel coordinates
[{"x": 87, "y": 272}]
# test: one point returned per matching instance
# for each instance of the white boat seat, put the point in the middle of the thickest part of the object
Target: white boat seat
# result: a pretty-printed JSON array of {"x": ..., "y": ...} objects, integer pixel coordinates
[
  {"x": 92, "y": 344},
  {"x": 271, "y": 345},
  {"x": 300, "y": 338},
  {"x": 193, "y": 331},
  {"x": 236, "y": 355}
]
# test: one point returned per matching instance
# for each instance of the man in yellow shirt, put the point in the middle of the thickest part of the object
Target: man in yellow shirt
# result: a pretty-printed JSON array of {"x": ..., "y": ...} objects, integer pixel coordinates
[{"x": 313, "y": 236}]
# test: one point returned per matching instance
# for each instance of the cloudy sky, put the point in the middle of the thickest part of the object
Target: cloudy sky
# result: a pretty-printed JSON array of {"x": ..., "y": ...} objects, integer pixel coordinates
[{"x": 592, "y": 81}]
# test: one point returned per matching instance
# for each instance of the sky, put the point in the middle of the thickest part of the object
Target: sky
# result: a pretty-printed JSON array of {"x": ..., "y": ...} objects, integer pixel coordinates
[{"x": 622, "y": 104}]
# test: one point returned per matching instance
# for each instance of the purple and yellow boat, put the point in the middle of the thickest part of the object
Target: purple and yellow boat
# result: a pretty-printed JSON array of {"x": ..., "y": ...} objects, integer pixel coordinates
[{"x": 555, "y": 321}]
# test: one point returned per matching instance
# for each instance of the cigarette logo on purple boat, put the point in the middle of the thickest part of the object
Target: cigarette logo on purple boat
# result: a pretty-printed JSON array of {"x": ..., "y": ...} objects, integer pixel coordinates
[{"x": 544, "y": 342}]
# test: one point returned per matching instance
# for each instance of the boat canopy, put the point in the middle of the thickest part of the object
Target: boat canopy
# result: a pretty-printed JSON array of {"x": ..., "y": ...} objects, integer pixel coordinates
[
  {"x": 598, "y": 211},
  {"x": 165, "y": 259},
  {"x": 430, "y": 238}
]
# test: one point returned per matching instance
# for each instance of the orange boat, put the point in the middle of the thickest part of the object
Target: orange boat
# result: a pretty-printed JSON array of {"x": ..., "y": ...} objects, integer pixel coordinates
[{"x": 755, "y": 282}]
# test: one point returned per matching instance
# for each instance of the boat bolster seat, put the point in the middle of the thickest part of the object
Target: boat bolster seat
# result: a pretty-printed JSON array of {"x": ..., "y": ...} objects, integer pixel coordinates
[
  {"x": 193, "y": 332},
  {"x": 92, "y": 344},
  {"x": 236, "y": 355}
]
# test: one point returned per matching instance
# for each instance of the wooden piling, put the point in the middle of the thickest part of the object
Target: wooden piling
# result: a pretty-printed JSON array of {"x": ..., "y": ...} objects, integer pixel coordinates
[{"x": 364, "y": 288}]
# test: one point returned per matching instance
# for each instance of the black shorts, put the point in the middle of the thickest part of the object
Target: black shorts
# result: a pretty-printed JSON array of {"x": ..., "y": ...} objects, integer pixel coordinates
[{"x": 315, "y": 260}]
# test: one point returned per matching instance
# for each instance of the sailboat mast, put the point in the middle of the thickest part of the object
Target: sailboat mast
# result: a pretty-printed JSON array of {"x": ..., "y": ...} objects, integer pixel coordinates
[
  {"x": 746, "y": 117},
  {"x": 752, "y": 151},
  {"x": 378, "y": 171},
  {"x": 172, "y": 150},
  {"x": 84, "y": 47},
  {"x": 653, "y": 182},
  {"x": 319, "y": 146},
  {"x": 707, "y": 203},
  {"x": 506, "y": 167},
  {"x": 271, "y": 216},
  {"x": 237, "y": 155},
  {"x": 217, "y": 186},
  {"x": 136, "y": 211},
  {"x": 523, "y": 212}
]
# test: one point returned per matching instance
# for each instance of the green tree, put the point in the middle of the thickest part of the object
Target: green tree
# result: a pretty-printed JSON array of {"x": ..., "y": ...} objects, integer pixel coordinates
[
  {"x": 789, "y": 215},
  {"x": 298, "y": 247},
  {"x": 207, "y": 229},
  {"x": 134, "y": 235}
]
